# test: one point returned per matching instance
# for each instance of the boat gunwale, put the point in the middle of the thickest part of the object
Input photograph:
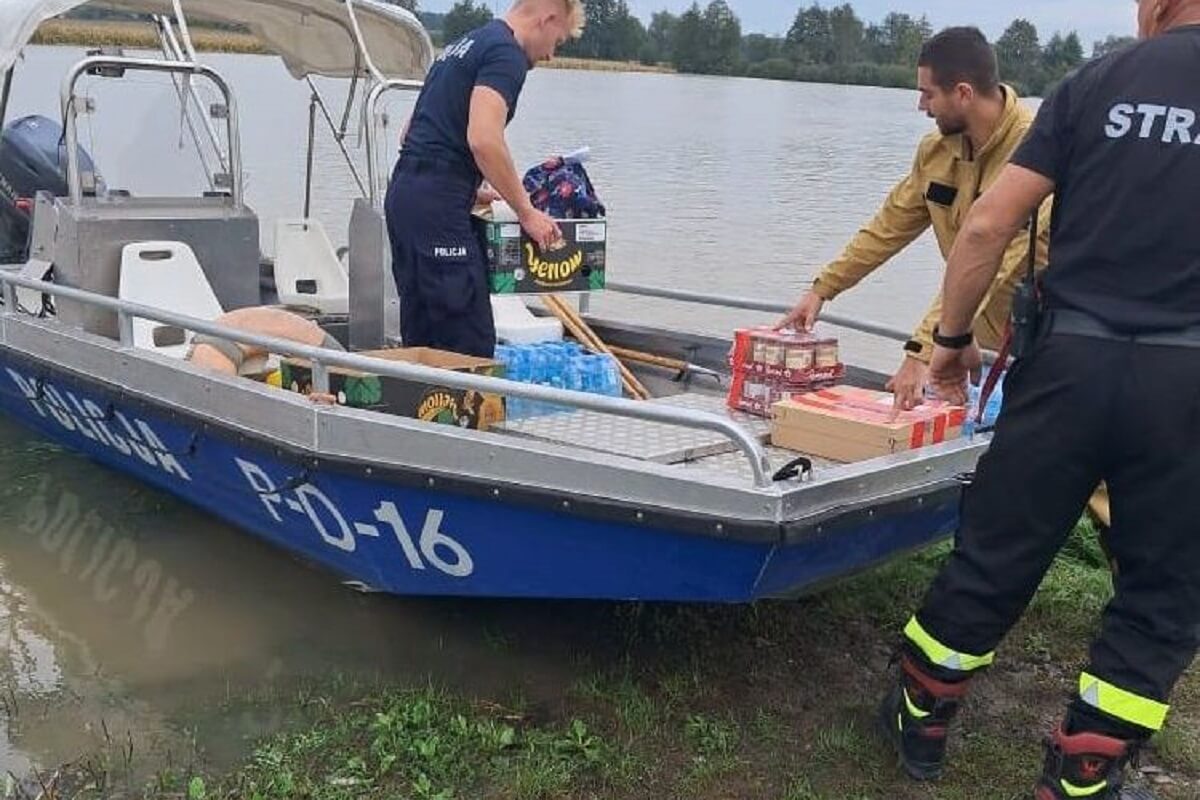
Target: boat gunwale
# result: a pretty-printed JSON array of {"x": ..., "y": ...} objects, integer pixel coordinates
[
  {"x": 319, "y": 432},
  {"x": 703, "y": 501},
  {"x": 600, "y": 508},
  {"x": 323, "y": 359}
]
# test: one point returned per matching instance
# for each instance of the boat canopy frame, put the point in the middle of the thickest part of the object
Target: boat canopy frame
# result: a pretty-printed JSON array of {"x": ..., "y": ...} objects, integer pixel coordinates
[{"x": 180, "y": 60}]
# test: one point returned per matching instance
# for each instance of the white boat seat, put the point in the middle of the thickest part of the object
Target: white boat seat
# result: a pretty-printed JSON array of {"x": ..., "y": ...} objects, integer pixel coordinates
[
  {"x": 166, "y": 276},
  {"x": 516, "y": 325},
  {"x": 308, "y": 271}
]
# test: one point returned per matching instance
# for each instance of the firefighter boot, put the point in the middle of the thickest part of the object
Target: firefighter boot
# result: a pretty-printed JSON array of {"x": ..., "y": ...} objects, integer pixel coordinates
[
  {"x": 916, "y": 717},
  {"x": 1087, "y": 765}
]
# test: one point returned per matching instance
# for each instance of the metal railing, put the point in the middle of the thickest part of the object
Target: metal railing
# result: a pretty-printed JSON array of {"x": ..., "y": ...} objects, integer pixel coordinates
[
  {"x": 5, "y": 92},
  {"x": 172, "y": 50},
  {"x": 370, "y": 104},
  {"x": 69, "y": 113},
  {"x": 750, "y": 304},
  {"x": 863, "y": 326},
  {"x": 322, "y": 359}
]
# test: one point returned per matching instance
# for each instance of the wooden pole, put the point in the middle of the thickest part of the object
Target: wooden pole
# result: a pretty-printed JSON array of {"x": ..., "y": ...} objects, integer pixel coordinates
[{"x": 650, "y": 358}]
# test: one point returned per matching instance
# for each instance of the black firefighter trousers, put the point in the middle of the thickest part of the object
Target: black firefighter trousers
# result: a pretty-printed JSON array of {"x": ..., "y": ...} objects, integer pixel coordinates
[{"x": 1079, "y": 410}]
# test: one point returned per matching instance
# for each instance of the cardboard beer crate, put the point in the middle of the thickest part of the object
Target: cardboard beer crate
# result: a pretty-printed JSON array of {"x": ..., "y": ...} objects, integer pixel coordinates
[
  {"x": 786, "y": 356},
  {"x": 416, "y": 399},
  {"x": 848, "y": 424},
  {"x": 768, "y": 366},
  {"x": 516, "y": 265},
  {"x": 755, "y": 392}
]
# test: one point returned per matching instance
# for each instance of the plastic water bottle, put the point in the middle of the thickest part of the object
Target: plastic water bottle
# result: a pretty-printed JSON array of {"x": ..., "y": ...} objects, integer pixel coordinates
[
  {"x": 972, "y": 409},
  {"x": 550, "y": 358},
  {"x": 609, "y": 377},
  {"x": 574, "y": 378},
  {"x": 543, "y": 365},
  {"x": 587, "y": 374},
  {"x": 504, "y": 355},
  {"x": 991, "y": 411},
  {"x": 520, "y": 368},
  {"x": 557, "y": 381}
]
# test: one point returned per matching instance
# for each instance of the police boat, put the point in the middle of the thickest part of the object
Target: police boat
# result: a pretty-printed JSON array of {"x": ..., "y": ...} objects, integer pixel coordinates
[{"x": 674, "y": 498}]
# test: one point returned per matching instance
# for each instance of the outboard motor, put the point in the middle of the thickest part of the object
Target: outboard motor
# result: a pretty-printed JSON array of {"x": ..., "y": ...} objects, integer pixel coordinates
[{"x": 33, "y": 158}]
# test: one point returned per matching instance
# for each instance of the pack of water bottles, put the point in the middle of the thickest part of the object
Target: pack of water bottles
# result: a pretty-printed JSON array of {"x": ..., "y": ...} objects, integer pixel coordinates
[{"x": 560, "y": 365}]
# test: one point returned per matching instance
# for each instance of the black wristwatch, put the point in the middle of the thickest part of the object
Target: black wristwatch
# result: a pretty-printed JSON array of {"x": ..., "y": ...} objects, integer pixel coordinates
[
  {"x": 960, "y": 342},
  {"x": 914, "y": 347}
]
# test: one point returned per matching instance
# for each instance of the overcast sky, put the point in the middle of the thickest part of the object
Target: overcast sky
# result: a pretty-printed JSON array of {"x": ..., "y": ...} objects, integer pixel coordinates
[{"x": 1093, "y": 19}]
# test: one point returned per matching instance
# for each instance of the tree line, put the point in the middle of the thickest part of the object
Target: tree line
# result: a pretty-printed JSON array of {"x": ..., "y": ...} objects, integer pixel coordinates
[{"x": 824, "y": 44}]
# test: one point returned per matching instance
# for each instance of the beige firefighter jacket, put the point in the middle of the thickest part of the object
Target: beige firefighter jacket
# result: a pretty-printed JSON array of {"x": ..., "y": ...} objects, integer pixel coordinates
[{"x": 945, "y": 180}]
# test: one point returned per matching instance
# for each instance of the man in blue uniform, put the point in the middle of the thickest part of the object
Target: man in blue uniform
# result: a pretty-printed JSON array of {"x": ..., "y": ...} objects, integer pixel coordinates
[
  {"x": 1109, "y": 390},
  {"x": 454, "y": 140}
]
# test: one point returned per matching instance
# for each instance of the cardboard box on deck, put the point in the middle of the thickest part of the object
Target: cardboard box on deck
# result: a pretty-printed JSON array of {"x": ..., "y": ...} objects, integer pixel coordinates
[
  {"x": 419, "y": 400},
  {"x": 768, "y": 366},
  {"x": 848, "y": 424},
  {"x": 518, "y": 266},
  {"x": 785, "y": 356},
  {"x": 755, "y": 393}
]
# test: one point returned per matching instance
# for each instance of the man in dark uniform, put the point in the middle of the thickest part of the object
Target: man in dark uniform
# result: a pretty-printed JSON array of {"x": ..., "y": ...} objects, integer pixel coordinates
[
  {"x": 1109, "y": 391},
  {"x": 453, "y": 141}
]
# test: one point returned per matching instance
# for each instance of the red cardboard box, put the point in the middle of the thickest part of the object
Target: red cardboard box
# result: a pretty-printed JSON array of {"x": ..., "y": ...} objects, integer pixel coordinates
[
  {"x": 769, "y": 366},
  {"x": 788, "y": 356},
  {"x": 846, "y": 423},
  {"x": 755, "y": 392}
]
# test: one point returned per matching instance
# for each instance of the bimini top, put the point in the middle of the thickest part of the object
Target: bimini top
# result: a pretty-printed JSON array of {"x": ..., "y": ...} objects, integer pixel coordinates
[{"x": 313, "y": 37}]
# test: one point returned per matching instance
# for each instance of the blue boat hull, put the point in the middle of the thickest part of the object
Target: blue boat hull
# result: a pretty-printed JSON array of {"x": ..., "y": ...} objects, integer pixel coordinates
[{"x": 397, "y": 535}]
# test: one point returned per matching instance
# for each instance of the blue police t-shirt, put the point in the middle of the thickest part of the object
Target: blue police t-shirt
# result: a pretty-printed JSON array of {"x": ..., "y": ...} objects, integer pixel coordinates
[{"x": 488, "y": 56}]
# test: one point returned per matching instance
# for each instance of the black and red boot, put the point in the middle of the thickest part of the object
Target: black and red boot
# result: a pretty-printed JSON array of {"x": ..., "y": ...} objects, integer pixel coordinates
[
  {"x": 1088, "y": 765},
  {"x": 916, "y": 716}
]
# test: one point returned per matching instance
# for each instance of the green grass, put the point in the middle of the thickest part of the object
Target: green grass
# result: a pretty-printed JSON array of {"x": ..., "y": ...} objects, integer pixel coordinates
[
  {"x": 774, "y": 701},
  {"x": 420, "y": 744}
]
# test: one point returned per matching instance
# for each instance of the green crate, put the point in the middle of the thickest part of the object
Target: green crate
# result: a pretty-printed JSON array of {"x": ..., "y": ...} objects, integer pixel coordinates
[{"x": 518, "y": 266}]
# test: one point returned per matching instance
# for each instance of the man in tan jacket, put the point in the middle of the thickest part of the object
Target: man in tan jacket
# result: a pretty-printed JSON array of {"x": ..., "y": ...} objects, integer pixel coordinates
[{"x": 980, "y": 123}]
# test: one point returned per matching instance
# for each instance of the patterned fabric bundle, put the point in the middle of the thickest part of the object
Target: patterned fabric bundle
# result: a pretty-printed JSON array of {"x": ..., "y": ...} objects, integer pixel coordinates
[{"x": 563, "y": 190}]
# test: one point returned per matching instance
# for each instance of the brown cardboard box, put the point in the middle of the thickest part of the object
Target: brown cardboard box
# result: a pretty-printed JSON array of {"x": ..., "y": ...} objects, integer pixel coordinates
[
  {"x": 430, "y": 402},
  {"x": 846, "y": 423}
]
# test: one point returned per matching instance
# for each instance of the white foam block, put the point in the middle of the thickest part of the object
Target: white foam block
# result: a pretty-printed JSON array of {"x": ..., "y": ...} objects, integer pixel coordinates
[{"x": 516, "y": 325}]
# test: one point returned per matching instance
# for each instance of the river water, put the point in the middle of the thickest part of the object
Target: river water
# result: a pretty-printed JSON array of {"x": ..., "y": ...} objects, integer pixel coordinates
[{"x": 712, "y": 184}]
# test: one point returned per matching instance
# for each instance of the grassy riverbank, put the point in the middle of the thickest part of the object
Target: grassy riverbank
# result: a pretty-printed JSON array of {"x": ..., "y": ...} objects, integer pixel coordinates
[
  {"x": 135, "y": 35},
  {"x": 774, "y": 701}
]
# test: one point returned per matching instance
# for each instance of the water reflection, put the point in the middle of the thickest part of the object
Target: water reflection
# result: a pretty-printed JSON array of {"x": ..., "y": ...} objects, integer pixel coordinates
[{"x": 129, "y": 615}]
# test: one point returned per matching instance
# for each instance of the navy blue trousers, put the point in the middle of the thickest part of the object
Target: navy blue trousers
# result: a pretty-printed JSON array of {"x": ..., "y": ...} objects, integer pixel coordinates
[{"x": 439, "y": 260}]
